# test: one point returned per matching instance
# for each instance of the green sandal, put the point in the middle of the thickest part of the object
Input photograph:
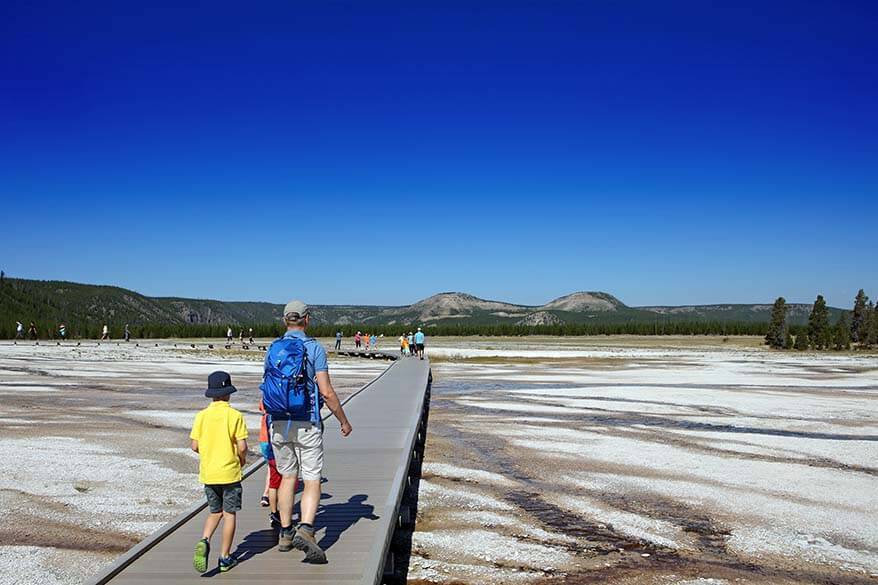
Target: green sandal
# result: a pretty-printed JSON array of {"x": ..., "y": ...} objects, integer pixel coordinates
[{"x": 202, "y": 549}]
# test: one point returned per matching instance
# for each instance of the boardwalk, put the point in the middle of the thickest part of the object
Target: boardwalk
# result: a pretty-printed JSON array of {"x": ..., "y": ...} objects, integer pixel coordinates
[{"x": 366, "y": 476}]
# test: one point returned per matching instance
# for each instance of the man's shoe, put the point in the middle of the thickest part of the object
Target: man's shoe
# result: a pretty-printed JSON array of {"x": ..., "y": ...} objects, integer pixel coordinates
[
  {"x": 285, "y": 540},
  {"x": 227, "y": 564},
  {"x": 304, "y": 541},
  {"x": 202, "y": 550}
]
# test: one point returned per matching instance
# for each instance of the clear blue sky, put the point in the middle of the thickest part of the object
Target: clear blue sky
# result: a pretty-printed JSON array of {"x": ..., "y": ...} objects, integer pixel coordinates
[{"x": 666, "y": 152}]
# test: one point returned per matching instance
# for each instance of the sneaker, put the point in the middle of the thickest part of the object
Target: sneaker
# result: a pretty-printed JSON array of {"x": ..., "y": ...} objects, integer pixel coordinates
[
  {"x": 264, "y": 502},
  {"x": 227, "y": 564},
  {"x": 274, "y": 520},
  {"x": 304, "y": 541},
  {"x": 285, "y": 540},
  {"x": 202, "y": 550}
]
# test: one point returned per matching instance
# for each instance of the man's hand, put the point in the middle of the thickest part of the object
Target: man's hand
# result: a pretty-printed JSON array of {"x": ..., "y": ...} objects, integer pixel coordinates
[{"x": 346, "y": 429}]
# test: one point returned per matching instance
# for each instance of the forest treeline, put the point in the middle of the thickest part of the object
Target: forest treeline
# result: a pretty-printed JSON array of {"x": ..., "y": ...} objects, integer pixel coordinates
[
  {"x": 855, "y": 328},
  {"x": 49, "y": 330}
]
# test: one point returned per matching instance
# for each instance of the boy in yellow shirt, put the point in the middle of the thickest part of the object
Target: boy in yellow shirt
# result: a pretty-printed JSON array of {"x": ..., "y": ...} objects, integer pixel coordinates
[{"x": 219, "y": 436}]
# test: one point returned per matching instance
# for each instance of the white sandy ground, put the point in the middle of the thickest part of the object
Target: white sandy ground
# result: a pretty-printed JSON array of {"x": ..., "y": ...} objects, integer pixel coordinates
[
  {"x": 21, "y": 565},
  {"x": 488, "y": 546},
  {"x": 467, "y": 499},
  {"x": 783, "y": 455},
  {"x": 98, "y": 473}
]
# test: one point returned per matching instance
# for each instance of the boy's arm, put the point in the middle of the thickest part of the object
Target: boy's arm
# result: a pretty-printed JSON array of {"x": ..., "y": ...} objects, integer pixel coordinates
[
  {"x": 196, "y": 432},
  {"x": 330, "y": 398},
  {"x": 242, "y": 451}
]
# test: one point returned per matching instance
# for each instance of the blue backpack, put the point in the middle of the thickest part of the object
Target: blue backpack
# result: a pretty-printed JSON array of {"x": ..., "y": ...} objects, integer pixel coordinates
[{"x": 285, "y": 383}]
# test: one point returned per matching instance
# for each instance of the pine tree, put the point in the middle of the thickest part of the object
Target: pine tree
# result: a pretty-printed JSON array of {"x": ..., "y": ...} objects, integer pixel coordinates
[
  {"x": 788, "y": 340},
  {"x": 777, "y": 325},
  {"x": 860, "y": 318},
  {"x": 802, "y": 341},
  {"x": 818, "y": 324},
  {"x": 842, "y": 333}
]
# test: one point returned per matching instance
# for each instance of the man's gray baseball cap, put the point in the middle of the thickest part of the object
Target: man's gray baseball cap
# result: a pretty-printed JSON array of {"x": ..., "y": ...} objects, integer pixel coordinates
[{"x": 295, "y": 310}]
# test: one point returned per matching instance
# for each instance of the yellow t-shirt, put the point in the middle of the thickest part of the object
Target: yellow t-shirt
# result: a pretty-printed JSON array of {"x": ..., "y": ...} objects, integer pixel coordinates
[{"x": 217, "y": 429}]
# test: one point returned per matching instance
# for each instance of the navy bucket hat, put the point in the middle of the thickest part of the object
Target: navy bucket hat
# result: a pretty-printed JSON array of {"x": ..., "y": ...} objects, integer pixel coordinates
[{"x": 219, "y": 384}]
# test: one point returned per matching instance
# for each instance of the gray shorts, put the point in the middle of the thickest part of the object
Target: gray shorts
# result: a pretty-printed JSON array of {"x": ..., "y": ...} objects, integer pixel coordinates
[
  {"x": 224, "y": 497},
  {"x": 298, "y": 445}
]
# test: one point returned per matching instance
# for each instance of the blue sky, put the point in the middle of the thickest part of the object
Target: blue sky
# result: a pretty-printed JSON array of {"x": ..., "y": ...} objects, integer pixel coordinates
[{"x": 668, "y": 153}]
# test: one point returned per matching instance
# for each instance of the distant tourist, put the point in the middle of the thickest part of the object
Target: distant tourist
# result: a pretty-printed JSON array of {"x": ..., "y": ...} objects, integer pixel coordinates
[
  {"x": 19, "y": 330},
  {"x": 250, "y": 335},
  {"x": 358, "y": 339},
  {"x": 62, "y": 331},
  {"x": 403, "y": 345},
  {"x": 241, "y": 336},
  {"x": 229, "y": 335},
  {"x": 419, "y": 342},
  {"x": 367, "y": 339},
  {"x": 127, "y": 333},
  {"x": 106, "y": 333},
  {"x": 219, "y": 436},
  {"x": 337, "y": 340},
  {"x": 373, "y": 342},
  {"x": 296, "y": 426},
  {"x": 32, "y": 330},
  {"x": 411, "y": 340}
]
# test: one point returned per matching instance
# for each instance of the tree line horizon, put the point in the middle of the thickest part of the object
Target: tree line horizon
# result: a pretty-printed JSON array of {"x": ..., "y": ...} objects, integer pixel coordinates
[{"x": 856, "y": 327}]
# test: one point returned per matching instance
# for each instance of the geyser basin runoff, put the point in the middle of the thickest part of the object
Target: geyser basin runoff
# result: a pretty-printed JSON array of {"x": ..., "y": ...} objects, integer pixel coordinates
[{"x": 551, "y": 461}]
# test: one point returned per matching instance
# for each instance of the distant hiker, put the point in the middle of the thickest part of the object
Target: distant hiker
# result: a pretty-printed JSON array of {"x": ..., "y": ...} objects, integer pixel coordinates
[
  {"x": 403, "y": 345},
  {"x": 373, "y": 342},
  {"x": 411, "y": 340},
  {"x": 127, "y": 333},
  {"x": 32, "y": 330},
  {"x": 358, "y": 339},
  {"x": 229, "y": 335},
  {"x": 296, "y": 427},
  {"x": 337, "y": 340},
  {"x": 272, "y": 477},
  {"x": 19, "y": 330},
  {"x": 367, "y": 339},
  {"x": 106, "y": 333},
  {"x": 62, "y": 331},
  {"x": 219, "y": 436},
  {"x": 419, "y": 342},
  {"x": 250, "y": 335},
  {"x": 241, "y": 336}
]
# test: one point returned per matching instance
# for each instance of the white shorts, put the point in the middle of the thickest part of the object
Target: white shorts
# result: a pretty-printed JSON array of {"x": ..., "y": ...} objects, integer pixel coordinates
[{"x": 298, "y": 444}]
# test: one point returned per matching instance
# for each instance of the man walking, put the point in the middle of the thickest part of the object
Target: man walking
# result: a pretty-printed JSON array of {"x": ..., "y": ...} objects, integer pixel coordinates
[
  {"x": 19, "y": 330},
  {"x": 127, "y": 333},
  {"x": 296, "y": 428},
  {"x": 337, "y": 340},
  {"x": 419, "y": 342}
]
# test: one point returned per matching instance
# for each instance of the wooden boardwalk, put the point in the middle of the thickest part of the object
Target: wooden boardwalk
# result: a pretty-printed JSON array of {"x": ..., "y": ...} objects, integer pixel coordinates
[{"x": 366, "y": 476}]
